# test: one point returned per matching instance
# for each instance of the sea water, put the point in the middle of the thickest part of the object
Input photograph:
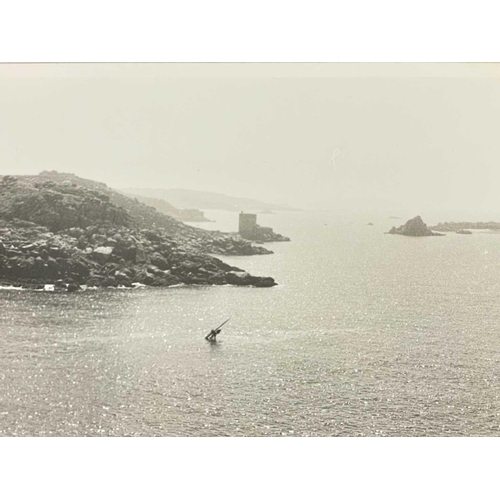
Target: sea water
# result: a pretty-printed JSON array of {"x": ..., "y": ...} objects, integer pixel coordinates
[{"x": 367, "y": 334}]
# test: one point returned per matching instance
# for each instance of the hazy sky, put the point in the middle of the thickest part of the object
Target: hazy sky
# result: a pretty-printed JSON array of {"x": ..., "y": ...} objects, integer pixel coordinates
[{"x": 410, "y": 137}]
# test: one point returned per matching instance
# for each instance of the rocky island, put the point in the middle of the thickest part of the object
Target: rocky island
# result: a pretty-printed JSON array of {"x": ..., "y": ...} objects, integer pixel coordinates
[
  {"x": 414, "y": 227},
  {"x": 69, "y": 232}
]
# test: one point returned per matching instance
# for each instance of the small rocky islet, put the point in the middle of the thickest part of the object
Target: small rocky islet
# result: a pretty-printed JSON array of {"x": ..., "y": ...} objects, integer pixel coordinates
[
  {"x": 415, "y": 227},
  {"x": 70, "y": 232}
]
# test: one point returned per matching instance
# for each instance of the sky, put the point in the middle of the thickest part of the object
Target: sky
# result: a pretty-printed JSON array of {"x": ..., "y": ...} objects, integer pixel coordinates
[{"x": 409, "y": 137}]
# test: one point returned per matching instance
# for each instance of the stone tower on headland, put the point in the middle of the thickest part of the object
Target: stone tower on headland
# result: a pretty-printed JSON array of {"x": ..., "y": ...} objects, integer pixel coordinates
[
  {"x": 248, "y": 225},
  {"x": 250, "y": 230}
]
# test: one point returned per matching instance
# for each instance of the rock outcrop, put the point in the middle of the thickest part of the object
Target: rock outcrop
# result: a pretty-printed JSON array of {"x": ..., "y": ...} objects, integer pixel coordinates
[
  {"x": 70, "y": 235},
  {"x": 57, "y": 206},
  {"x": 414, "y": 227},
  {"x": 266, "y": 235},
  {"x": 59, "y": 201}
]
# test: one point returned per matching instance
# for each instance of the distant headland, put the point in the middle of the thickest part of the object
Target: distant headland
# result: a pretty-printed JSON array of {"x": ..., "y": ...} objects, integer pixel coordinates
[
  {"x": 205, "y": 200},
  {"x": 460, "y": 226},
  {"x": 163, "y": 206}
]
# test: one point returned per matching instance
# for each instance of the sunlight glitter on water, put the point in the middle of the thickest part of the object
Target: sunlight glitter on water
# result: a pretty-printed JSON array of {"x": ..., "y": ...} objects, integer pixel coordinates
[{"x": 367, "y": 335}]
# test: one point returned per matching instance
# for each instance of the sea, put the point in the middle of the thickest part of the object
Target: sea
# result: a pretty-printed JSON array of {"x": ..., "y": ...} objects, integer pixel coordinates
[{"x": 366, "y": 334}]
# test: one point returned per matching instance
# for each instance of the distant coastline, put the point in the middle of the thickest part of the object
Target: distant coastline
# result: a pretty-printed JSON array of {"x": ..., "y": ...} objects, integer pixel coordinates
[
  {"x": 206, "y": 200},
  {"x": 457, "y": 226}
]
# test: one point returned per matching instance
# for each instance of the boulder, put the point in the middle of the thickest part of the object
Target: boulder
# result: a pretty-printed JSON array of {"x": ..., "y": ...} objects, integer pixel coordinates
[
  {"x": 28, "y": 247},
  {"x": 109, "y": 282},
  {"x": 54, "y": 251},
  {"x": 217, "y": 279},
  {"x": 157, "y": 260},
  {"x": 101, "y": 254},
  {"x": 245, "y": 279},
  {"x": 121, "y": 276},
  {"x": 265, "y": 283},
  {"x": 140, "y": 254}
]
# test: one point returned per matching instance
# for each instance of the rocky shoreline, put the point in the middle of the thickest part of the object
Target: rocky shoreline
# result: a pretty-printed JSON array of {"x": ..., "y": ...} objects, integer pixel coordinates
[
  {"x": 71, "y": 236},
  {"x": 267, "y": 237},
  {"x": 60, "y": 200}
]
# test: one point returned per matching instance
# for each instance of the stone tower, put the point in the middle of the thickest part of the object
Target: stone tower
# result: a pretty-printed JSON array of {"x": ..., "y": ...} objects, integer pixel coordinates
[{"x": 248, "y": 225}]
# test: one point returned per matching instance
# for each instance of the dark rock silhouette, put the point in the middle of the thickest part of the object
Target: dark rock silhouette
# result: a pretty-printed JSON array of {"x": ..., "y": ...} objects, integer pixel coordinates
[
  {"x": 63, "y": 200},
  {"x": 414, "y": 227}
]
